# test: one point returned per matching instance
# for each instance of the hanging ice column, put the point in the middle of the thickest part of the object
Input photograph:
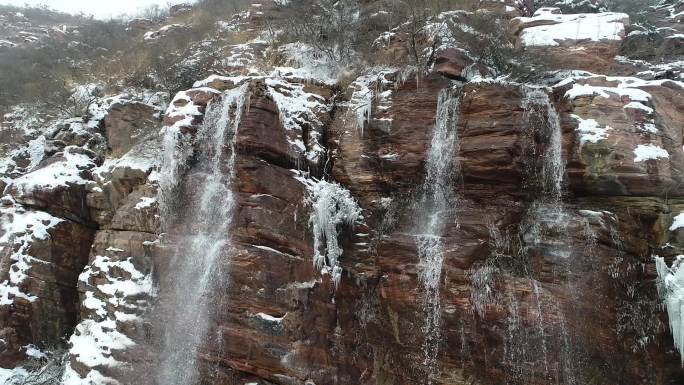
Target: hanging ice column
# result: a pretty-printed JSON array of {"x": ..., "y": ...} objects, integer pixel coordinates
[
  {"x": 671, "y": 290},
  {"x": 202, "y": 238},
  {"x": 438, "y": 199},
  {"x": 333, "y": 207}
]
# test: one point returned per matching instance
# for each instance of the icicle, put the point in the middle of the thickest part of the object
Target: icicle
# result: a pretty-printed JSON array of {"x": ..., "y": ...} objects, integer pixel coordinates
[
  {"x": 671, "y": 290},
  {"x": 332, "y": 207}
]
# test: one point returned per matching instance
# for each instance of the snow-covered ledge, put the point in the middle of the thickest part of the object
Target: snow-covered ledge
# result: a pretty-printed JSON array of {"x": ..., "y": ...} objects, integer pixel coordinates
[{"x": 548, "y": 27}]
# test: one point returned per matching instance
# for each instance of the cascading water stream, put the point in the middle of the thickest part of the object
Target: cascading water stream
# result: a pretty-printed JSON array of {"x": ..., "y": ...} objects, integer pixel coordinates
[
  {"x": 437, "y": 202},
  {"x": 547, "y": 213},
  {"x": 540, "y": 228},
  {"x": 537, "y": 103},
  {"x": 201, "y": 237}
]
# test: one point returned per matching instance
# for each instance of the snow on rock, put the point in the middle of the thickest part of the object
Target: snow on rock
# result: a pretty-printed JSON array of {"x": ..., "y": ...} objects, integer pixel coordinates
[
  {"x": 183, "y": 108},
  {"x": 638, "y": 106},
  {"x": 219, "y": 82},
  {"x": 33, "y": 352},
  {"x": 299, "y": 109},
  {"x": 677, "y": 222},
  {"x": 625, "y": 87},
  {"x": 25, "y": 118},
  {"x": 590, "y": 131},
  {"x": 93, "y": 342},
  {"x": 165, "y": 31},
  {"x": 15, "y": 376},
  {"x": 270, "y": 318},
  {"x": 632, "y": 94},
  {"x": 332, "y": 207},
  {"x": 142, "y": 158},
  {"x": 548, "y": 27},
  {"x": 115, "y": 282},
  {"x": 303, "y": 62},
  {"x": 240, "y": 55},
  {"x": 69, "y": 169},
  {"x": 671, "y": 290},
  {"x": 100, "y": 107},
  {"x": 372, "y": 88},
  {"x": 645, "y": 152},
  {"x": 116, "y": 293},
  {"x": 20, "y": 228},
  {"x": 34, "y": 152},
  {"x": 93, "y": 377},
  {"x": 145, "y": 202}
]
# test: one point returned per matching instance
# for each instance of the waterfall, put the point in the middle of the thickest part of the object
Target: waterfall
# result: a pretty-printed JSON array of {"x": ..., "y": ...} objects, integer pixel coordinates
[
  {"x": 438, "y": 199},
  {"x": 537, "y": 105},
  {"x": 200, "y": 238},
  {"x": 540, "y": 320},
  {"x": 542, "y": 230},
  {"x": 546, "y": 214}
]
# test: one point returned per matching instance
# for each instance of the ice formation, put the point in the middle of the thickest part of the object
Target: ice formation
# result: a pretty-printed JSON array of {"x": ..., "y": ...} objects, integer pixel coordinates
[
  {"x": 332, "y": 207},
  {"x": 671, "y": 290}
]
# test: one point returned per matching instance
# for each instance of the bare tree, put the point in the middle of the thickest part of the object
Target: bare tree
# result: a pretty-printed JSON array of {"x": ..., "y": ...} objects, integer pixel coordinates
[
  {"x": 47, "y": 370},
  {"x": 71, "y": 101},
  {"x": 330, "y": 26}
]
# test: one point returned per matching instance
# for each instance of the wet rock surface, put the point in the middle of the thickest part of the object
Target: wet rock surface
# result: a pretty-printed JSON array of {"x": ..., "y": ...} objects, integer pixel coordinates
[{"x": 535, "y": 285}]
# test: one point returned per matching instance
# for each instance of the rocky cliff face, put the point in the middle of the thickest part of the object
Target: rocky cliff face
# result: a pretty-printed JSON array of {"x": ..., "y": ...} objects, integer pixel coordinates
[{"x": 558, "y": 198}]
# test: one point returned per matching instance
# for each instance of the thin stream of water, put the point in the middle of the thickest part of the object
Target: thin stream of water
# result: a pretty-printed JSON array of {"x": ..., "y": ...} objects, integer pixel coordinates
[{"x": 437, "y": 202}]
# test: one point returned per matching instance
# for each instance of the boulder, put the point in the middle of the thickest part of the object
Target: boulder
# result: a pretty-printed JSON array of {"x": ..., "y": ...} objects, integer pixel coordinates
[
  {"x": 180, "y": 9},
  {"x": 41, "y": 257},
  {"x": 141, "y": 24},
  {"x": 627, "y": 138},
  {"x": 127, "y": 124}
]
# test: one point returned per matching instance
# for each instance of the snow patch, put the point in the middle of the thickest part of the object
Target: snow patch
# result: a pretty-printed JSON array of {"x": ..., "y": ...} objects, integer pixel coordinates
[
  {"x": 297, "y": 109},
  {"x": 677, "y": 222},
  {"x": 33, "y": 352},
  {"x": 115, "y": 292},
  {"x": 638, "y": 106},
  {"x": 93, "y": 342},
  {"x": 67, "y": 171},
  {"x": 645, "y": 152},
  {"x": 590, "y": 131},
  {"x": 145, "y": 202},
  {"x": 307, "y": 64},
  {"x": 270, "y": 318},
  {"x": 550, "y": 28},
  {"x": 371, "y": 88},
  {"x": 20, "y": 229}
]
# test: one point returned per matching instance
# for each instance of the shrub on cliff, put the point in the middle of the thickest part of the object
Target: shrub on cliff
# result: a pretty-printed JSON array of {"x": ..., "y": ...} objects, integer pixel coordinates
[
  {"x": 330, "y": 26},
  {"x": 486, "y": 37},
  {"x": 42, "y": 369}
]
